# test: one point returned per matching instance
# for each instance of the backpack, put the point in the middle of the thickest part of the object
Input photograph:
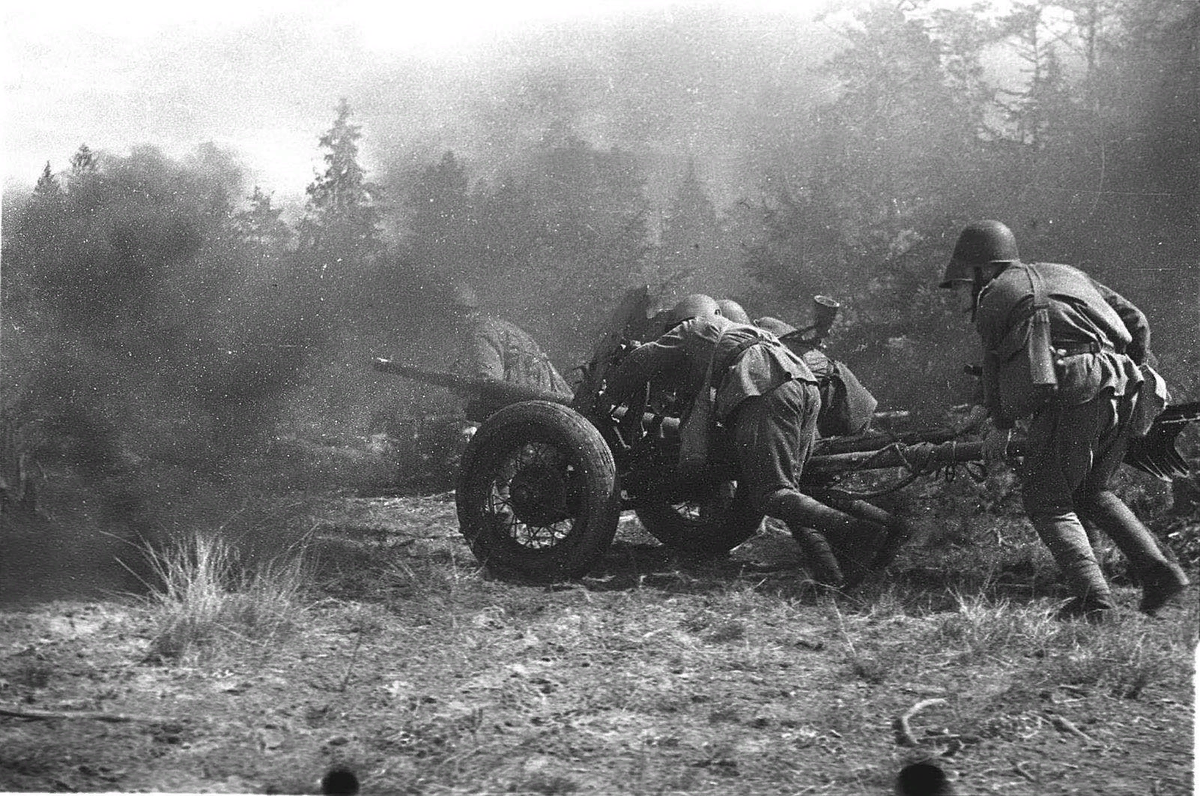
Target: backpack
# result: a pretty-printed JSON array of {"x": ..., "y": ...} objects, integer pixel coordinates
[{"x": 846, "y": 405}]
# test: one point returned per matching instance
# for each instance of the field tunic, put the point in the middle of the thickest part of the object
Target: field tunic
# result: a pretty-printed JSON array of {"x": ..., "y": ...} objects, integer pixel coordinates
[
  {"x": 1082, "y": 311},
  {"x": 681, "y": 356},
  {"x": 766, "y": 396},
  {"x": 496, "y": 349}
]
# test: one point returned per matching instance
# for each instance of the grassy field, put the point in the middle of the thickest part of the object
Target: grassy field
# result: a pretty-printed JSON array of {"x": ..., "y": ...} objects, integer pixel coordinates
[{"x": 373, "y": 643}]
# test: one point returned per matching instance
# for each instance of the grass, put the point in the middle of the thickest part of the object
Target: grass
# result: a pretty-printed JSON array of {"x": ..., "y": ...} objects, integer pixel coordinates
[
  {"x": 423, "y": 674},
  {"x": 206, "y": 598}
]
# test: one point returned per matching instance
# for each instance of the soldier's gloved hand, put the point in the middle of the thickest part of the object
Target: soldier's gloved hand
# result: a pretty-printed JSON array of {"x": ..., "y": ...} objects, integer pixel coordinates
[{"x": 995, "y": 444}]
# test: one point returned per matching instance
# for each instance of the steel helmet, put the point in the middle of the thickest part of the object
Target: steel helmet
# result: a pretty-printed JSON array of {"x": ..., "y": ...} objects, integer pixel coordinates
[
  {"x": 463, "y": 297},
  {"x": 980, "y": 243},
  {"x": 694, "y": 306},
  {"x": 733, "y": 311}
]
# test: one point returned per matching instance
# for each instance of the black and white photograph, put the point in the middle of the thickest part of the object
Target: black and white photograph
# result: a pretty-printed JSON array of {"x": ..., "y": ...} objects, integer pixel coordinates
[{"x": 569, "y": 397}]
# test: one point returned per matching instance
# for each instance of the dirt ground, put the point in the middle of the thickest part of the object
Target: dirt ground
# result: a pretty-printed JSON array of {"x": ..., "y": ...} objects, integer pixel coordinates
[{"x": 420, "y": 675}]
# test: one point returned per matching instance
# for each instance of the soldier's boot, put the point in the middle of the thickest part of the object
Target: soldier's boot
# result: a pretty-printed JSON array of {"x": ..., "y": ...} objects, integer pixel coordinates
[
  {"x": 1068, "y": 543},
  {"x": 815, "y": 525},
  {"x": 818, "y": 555},
  {"x": 896, "y": 532},
  {"x": 1161, "y": 579}
]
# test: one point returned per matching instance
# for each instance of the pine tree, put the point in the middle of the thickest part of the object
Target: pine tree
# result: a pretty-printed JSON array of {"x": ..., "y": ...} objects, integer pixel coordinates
[
  {"x": 443, "y": 225},
  {"x": 83, "y": 164},
  {"x": 690, "y": 248},
  {"x": 261, "y": 227},
  {"x": 47, "y": 185},
  {"x": 342, "y": 223}
]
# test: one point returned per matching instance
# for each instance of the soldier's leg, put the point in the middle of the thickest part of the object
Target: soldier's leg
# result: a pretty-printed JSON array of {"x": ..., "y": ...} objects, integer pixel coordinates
[
  {"x": 1057, "y": 458},
  {"x": 773, "y": 435},
  {"x": 839, "y": 533},
  {"x": 897, "y": 530},
  {"x": 1160, "y": 578}
]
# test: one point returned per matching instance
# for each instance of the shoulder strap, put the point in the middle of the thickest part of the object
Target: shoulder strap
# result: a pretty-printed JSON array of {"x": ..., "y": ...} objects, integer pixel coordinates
[
  {"x": 712, "y": 358},
  {"x": 1040, "y": 300}
]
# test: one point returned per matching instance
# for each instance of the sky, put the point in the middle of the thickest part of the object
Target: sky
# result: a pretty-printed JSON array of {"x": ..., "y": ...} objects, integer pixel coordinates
[{"x": 260, "y": 77}]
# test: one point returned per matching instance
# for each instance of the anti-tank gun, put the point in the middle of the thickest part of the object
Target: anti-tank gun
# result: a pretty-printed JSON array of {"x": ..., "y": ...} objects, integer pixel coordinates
[{"x": 545, "y": 478}]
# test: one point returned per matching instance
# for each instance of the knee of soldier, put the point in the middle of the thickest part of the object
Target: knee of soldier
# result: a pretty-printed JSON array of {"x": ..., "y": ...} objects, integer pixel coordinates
[
  {"x": 772, "y": 502},
  {"x": 1041, "y": 503}
]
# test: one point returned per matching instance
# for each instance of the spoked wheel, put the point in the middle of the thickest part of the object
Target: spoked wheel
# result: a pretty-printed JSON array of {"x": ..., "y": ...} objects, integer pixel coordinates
[
  {"x": 702, "y": 529},
  {"x": 537, "y": 493}
]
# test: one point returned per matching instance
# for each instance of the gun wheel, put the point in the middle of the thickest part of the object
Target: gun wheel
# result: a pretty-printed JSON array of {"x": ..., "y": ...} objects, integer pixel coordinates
[
  {"x": 537, "y": 493},
  {"x": 702, "y": 530}
]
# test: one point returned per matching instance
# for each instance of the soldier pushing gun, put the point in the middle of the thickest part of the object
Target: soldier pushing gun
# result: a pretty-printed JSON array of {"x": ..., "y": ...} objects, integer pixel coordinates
[
  {"x": 767, "y": 400},
  {"x": 1071, "y": 356}
]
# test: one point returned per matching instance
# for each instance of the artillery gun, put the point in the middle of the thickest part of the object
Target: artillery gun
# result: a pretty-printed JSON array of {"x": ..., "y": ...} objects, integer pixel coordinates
[{"x": 544, "y": 480}]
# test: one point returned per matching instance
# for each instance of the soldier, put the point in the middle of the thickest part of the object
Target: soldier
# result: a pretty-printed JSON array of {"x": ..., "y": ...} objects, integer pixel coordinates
[
  {"x": 733, "y": 311},
  {"x": 1079, "y": 432},
  {"x": 766, "y": 398},
  {"x": 496, "y": 349},
  {"x": 847, "y": 406}
]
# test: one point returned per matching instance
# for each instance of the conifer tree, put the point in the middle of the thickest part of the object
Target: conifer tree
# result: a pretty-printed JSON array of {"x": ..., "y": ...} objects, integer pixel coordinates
[
  {"x": 342, "y": 223},
  {"x": 261, "y": 227},
  {"x": 83, "y": 164},
  {"x": 47, "y": 185}
]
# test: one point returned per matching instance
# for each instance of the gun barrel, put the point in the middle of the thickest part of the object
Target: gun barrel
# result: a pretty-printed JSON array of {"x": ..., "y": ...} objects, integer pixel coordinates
[{"x": 492, "y": 392}]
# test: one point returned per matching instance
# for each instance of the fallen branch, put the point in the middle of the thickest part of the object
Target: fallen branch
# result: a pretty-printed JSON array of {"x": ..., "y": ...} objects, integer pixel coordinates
[
  {"x": 956, "y": 746},
  {"x": 1065, "y": 725},
  {"x": 904, "y": 735},
  {"x": 97, "y": 715},
  {"x": 1019, "y": 767}
]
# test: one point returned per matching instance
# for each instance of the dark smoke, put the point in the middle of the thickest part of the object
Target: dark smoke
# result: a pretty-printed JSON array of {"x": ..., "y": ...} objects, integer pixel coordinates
[{"x": 149, "y": 358}]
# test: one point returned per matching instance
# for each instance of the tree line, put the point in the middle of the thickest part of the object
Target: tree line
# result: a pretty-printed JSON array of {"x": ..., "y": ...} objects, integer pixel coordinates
[{"x": 161, "y": 278}]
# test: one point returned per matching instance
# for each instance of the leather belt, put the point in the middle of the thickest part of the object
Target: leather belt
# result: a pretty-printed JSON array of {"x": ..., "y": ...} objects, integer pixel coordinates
[{"x": 1082, "y": 348}]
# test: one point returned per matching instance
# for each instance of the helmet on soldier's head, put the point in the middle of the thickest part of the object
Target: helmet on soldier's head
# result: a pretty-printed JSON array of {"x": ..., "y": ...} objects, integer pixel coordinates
[
  {"x": 733, "y": 311},
  {"x": 694, "y": 306},
  {"x": 980, "y": 243},
  {"x": 463, "y": 297}
]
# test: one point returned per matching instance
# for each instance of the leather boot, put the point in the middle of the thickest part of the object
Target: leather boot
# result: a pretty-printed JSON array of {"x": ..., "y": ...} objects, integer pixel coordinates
[
  {"x": 1162, "y": 586},
  {"x": 1068, "y": 543},
  {"x": 818, "y": 555},
  {"x": 1161, "y": 579},
  {"x": 835, "y": 530},
  {"x": 895, "y": 531}
]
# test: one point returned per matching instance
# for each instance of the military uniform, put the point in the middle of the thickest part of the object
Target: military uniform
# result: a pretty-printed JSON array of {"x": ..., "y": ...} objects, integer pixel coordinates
[
  {"x": 847, "y": 407},
  {"x": 496, "y": 349},
  {"x": 1077, "y": 439},
  {"x": 767, "y": 399}
]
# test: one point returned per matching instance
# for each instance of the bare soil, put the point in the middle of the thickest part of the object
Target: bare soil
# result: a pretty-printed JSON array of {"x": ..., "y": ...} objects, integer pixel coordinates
[{"x": 421, "y": 675}]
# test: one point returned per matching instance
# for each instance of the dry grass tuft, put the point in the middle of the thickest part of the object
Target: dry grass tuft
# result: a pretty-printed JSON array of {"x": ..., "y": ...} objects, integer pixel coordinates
[{"x": 206, "y": 599}]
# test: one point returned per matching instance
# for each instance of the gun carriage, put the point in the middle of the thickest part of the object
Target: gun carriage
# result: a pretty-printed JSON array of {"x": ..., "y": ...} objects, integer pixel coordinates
[{"x": 544, "y": 480}]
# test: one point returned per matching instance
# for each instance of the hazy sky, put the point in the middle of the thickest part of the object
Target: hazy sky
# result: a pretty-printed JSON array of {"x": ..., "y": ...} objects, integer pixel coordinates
[{"x": 259, "y": 76}]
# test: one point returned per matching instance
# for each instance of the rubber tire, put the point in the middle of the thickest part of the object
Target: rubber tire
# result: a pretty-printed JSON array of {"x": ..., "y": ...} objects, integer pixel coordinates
[
  {"x": 700, "y": 539},
  {"x": 596, "y": 499}
]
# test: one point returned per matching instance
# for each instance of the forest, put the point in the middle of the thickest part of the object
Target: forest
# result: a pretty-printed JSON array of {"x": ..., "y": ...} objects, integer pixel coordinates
[
  {"x": 220, "y": 571},
  {"x": 161, "y": 315}
]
